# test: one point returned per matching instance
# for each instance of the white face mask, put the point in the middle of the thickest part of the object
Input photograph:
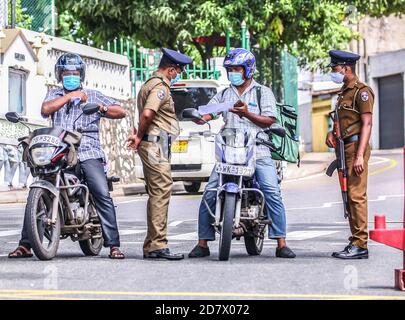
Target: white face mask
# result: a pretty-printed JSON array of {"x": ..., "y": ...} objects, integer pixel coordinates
[{"x": 337, "y": 77}]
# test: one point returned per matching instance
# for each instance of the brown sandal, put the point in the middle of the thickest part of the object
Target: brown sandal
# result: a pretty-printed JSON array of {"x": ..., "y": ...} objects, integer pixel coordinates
[
  {"x": 115, "y": 253},
  {"x": 20, "y": 252}
]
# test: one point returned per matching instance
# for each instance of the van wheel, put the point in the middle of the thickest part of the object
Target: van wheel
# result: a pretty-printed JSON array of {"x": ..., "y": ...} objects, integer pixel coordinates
[{"x": 192, "y": 187}]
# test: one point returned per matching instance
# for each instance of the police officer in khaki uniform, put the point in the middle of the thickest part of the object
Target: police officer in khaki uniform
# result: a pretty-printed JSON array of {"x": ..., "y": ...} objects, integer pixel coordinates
[
  {"x": 158, "y": 126},
  {"x": 355, "y": 108}
]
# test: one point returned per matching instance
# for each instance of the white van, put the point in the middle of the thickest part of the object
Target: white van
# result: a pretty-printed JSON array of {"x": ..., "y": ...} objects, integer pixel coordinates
[{"x": 193, "y": 153}]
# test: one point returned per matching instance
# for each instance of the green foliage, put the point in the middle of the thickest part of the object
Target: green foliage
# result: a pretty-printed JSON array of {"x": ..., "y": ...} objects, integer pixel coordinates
[
  {"x": 22, "y": 19},
  {"x": 307, "y": 28}
]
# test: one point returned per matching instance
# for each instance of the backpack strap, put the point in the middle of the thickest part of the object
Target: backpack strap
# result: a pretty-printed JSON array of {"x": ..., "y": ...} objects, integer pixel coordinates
[
  {"x": 223, "y": 93},
  {"x": 259, "y": 98}
]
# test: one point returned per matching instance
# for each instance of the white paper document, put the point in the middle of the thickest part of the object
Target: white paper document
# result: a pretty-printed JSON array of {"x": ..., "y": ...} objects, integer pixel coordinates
[{"x": 215, "y": 108}]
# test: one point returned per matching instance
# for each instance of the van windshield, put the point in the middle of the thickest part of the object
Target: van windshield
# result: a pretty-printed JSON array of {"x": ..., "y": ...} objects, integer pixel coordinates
[{"x": 191, "y": 98}]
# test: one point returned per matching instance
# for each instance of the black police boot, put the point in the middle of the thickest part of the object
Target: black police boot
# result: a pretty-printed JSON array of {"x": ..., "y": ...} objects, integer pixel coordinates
[
  {"x": 351, "y": 252},
  {"x": 199, "y": 252},
  {"x": 164, "y": 254}
]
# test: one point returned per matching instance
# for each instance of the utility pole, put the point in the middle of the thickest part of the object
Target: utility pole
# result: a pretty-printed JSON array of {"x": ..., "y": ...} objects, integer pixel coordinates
[{"x": 13, "y": 9}]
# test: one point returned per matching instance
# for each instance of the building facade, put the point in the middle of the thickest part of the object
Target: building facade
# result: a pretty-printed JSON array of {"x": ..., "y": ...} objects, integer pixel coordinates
[{"x": 27, "y": 61}]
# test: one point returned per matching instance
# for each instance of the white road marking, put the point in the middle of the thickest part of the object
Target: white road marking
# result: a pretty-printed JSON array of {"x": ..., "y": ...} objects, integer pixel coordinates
[
  {"x": 129, "y": 232},
  {"x": 175, "y": 223},
  {"x": 382, "y": 160},
  {"x": 327, "y": 227},
  {"x": 304, "y": 235},
  {"x": 329, "y": 204},
  {"x": 9, "y": 233},
  {"x": 184, "y": 236},
  {"x": 122, "y": 232}
]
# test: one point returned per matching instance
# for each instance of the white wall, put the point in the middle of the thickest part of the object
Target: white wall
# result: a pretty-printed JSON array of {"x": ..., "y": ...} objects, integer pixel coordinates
[
  {"x": 383, "y": 65},
  {"x": 35, "y": 88},
  {"x": 105, "y": 71}
]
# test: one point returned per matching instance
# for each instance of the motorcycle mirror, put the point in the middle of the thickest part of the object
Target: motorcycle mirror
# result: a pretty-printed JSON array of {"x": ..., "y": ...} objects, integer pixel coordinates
[
  {"x": 277, "y": 129},
  {"x": 190, "y": 113},
  {"x": 13, "y": 117},
  {"x": 90, "y": 108}
]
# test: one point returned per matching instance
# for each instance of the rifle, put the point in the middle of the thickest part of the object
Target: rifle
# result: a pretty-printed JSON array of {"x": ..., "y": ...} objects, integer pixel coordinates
[{"x": 339, "y": 163}]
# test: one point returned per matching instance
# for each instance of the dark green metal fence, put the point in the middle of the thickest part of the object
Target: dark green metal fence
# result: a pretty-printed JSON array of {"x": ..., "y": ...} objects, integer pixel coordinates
[{"x": 42, "y": 13}]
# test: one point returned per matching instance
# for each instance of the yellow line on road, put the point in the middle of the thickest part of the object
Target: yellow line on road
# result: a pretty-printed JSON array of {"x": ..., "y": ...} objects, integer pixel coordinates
[
  {"x": 42, "y": 293},
  {"x": 393, "y": 164}
]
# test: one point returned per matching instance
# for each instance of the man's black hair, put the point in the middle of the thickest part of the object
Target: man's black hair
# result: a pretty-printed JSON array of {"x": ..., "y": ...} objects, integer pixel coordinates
[{"x": 166, "y": 63}]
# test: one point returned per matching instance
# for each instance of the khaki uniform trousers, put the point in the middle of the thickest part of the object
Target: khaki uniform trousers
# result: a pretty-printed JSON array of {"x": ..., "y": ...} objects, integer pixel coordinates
[
  {"x": 357, "y": 194},
  {"x": 158, "y": 178}
]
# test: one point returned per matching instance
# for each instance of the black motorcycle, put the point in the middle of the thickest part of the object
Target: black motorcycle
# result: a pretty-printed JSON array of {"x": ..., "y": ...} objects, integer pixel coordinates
[{"x": 59, "y": 204}]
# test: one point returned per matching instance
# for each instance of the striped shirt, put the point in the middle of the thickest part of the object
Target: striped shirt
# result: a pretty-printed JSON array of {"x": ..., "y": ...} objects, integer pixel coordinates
[
  {"x": 249, "y": 96},
  {"x": 90, "y": 146}
]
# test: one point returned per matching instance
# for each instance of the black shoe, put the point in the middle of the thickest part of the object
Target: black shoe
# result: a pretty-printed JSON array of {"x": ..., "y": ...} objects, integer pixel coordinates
[
  {"x": 351, "y": 252},
  {"x": 199, "y": 252},
  {"x": 164, "y": 254},
  {"x": 285, "y": 252}
]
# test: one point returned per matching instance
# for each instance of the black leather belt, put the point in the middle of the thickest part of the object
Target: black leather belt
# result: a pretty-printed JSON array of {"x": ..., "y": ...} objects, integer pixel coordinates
[
  {"x": 150, "y": 138},
  {"x": 351, "y": 139}
]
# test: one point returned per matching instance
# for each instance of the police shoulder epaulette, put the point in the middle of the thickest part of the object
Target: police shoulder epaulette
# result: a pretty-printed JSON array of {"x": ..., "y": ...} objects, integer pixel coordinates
[{"x": 161, "y": 81}]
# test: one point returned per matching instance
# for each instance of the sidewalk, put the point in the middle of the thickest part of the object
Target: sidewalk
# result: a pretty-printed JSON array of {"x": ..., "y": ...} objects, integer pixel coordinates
[{"x": 311, "y": 163}]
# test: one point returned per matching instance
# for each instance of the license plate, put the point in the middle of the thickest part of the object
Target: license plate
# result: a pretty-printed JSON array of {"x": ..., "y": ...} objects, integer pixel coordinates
[
  {"x": 44, "y": 138},
  {"x": 180, "y": 146},
  {"x": 233, "y": 170}
]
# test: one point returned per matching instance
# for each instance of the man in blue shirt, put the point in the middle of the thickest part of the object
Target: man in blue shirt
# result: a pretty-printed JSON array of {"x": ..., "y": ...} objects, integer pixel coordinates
[
  {"x": 246, "y": 114},
  {"x": 70, "y": 70}
]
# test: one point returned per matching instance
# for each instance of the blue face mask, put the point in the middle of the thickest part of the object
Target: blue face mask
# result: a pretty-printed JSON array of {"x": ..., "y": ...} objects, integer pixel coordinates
[
  {"x": 71, "y": 83},
  {"x": 236, "y": 78},
  {"x": 337, "y": 77},
  {"x": 173, "y": 81}
]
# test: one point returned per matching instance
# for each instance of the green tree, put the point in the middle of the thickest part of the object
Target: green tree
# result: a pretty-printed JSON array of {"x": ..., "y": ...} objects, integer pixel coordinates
[
  {"x": 307, "y": 28},
  {"x": 22, "y": 19}
]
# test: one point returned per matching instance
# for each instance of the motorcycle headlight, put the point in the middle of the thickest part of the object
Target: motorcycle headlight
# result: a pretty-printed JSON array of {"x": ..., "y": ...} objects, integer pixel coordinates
[
  {"x": 42, "y": 156},
  {"x": 235, "y": 155}
]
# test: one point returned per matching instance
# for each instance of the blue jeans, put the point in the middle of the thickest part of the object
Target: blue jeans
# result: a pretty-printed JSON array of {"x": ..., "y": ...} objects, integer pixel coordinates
[{"x": 266, "y": 176}]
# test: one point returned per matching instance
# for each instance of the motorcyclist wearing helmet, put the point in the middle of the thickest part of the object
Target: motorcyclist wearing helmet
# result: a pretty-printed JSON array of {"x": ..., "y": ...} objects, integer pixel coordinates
[
  {"x": 70, "y": 69},
  {"x": 240, "y": 65}
]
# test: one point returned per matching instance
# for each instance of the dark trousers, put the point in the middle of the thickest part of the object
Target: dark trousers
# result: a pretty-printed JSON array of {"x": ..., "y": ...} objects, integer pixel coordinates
[{"x": 96, "y": 180}]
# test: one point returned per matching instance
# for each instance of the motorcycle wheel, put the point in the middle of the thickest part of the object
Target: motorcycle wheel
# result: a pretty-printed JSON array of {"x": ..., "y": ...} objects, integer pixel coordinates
[
  {"x": 227, "y": 226},
  {"x": 91, "y": 247},
  {"x": 44, "y": 238},
  {"x": 254, "y": 245}
]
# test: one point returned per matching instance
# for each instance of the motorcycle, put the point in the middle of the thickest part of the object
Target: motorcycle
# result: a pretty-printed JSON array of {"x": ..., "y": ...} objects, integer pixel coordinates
[
  {"x": 240, "y": 204},
  {"x": 59, "y": 204}
]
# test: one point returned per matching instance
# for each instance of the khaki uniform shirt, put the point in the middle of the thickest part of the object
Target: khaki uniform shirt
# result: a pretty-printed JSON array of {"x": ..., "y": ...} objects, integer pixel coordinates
[
  {"x": 354, "y": 99},
  {"x": 155, "y": 95}
]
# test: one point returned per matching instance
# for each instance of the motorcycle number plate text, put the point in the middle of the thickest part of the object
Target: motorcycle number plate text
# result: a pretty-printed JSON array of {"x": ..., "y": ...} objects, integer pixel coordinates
[
  {"x": 45, "y": 139},
  {"x": 233, "y": 170}
]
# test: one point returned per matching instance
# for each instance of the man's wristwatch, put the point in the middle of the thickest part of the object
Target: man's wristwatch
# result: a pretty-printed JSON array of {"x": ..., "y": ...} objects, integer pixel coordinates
[{"x": 104, "y": 109}]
